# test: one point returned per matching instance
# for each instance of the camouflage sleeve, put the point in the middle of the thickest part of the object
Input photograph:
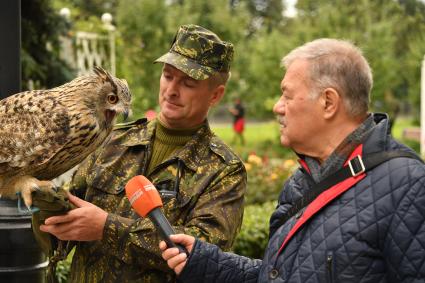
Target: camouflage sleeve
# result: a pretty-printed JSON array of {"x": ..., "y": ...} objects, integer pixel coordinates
[
  {"x": 218, "y": 214},
  {"x": 215, "y": 218}
]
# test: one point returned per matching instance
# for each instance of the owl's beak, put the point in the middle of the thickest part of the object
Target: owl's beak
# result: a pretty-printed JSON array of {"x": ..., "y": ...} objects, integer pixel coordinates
[{"x": 125, "y": 114}]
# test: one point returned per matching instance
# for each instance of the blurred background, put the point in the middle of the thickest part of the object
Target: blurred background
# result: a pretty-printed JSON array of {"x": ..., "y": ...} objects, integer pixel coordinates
[
  {"x": 65, "y": 38},
  {"x": 391, "y": 34}
]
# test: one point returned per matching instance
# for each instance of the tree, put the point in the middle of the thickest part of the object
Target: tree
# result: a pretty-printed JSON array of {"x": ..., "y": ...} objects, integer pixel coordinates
[
  {"x": 390, "y": 34},
  {"x": 144, "y": 37},
  {"x": 41, "y": 28},
  {"x": 265, "y": 14}
]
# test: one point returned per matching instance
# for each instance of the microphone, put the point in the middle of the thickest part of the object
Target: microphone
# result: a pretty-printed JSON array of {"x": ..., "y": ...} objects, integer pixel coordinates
[{"x": 145, "y": 200}]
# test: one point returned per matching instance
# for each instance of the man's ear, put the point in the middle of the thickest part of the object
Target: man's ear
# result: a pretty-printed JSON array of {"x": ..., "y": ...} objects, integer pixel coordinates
[
  {"x": 331, "y": 102},
  {"x": 217, "y": 95}
]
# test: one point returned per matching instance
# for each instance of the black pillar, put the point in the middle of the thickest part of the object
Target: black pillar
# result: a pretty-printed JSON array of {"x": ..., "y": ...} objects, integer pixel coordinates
[
  {"x": 10, "y": 47},
  {"x": 21, "y": 259}
]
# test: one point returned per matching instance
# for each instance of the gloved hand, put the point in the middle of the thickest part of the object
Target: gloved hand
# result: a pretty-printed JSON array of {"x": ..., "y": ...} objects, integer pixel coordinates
[{"x": 50, "y": 203}]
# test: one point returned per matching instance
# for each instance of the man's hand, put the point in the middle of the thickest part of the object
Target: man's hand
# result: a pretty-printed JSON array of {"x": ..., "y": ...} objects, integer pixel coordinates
[
  {"x": 176, "y": 260},
  {"x": 85, "y": 223}
]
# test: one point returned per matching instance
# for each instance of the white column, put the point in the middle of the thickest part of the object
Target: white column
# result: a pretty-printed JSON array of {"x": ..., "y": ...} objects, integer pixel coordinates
[
  {"x": 112, "y": 50},
  {"x": 107, "y": 23},
  {"x": 423, "y": 108}
]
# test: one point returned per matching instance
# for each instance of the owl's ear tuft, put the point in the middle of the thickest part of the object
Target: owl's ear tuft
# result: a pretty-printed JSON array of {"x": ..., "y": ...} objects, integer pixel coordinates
[
  {"x": 100, "y": 72},
  {"x": 125, "y": 82},
  {"x": 105, "y": 76}
]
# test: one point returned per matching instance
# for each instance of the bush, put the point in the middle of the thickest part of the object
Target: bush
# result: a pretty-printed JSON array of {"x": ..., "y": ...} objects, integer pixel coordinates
[
  {"x": 62, "y": 271},
  {"x": 266, "y": 177},
  {"x": 254, "y": 235},
  {"x": 63, "y": 268}
]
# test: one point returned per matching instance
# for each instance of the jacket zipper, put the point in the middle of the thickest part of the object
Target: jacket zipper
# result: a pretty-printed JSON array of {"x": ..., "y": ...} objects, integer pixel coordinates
[{"x": 329, "y": 268}]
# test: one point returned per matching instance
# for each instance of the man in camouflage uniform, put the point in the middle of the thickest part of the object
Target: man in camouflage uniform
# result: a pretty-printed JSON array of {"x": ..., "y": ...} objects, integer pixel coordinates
[{"x": 201, "y": 181}]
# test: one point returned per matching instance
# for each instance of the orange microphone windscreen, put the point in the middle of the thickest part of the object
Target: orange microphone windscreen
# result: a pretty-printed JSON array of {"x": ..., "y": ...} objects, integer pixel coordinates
[{"x": 142, "y": 195}]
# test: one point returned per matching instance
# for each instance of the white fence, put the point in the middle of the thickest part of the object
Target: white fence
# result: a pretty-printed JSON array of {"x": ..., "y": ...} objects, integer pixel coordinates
[{"x": 86, "y": 50}]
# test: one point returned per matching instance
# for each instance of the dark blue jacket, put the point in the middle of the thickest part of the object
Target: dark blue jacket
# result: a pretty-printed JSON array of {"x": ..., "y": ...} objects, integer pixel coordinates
[{"x": 373, "y": 232}]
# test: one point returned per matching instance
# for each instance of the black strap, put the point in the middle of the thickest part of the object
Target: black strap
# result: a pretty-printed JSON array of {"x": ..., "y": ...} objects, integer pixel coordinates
[{"x": 355, "y": 167}]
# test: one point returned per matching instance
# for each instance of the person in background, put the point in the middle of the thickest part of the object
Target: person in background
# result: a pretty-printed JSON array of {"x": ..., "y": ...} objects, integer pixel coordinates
[
  {"x": 354, "y": 211},
  {"x": 200, "y": 179},
  {"x": 238, "y": 113}
]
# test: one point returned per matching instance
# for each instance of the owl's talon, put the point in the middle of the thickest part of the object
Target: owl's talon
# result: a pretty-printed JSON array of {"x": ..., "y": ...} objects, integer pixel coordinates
[
  {"x": 34, "y": 209},
  {"x": 26, "y": 210}
]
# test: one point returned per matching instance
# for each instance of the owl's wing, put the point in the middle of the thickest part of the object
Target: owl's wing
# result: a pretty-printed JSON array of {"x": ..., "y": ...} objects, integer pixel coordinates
[{"x": 31, "y": 138}]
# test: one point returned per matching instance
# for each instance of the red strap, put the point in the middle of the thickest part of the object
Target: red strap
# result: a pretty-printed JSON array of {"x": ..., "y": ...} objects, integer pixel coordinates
[
  {"x": 304, "y": 165},
  {"x": 324, "y": 198}
]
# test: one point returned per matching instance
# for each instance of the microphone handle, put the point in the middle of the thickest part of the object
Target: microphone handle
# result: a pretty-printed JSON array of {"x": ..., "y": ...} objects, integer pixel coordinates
[{"x": 165, "y": 230}]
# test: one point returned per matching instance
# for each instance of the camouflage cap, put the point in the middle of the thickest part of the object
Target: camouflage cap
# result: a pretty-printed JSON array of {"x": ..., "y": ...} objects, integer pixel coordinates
[{"x": 198, "y": 52}]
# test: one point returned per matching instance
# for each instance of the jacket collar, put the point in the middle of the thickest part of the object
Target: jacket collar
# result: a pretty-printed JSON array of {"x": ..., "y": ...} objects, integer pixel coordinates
[
  {"x": 376, "y": 140},
  {"x": 140, "y": 134}
]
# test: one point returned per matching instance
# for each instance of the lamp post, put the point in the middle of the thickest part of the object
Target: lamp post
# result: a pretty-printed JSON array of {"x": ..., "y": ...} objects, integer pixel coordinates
[{"x": 10, "y": 34}]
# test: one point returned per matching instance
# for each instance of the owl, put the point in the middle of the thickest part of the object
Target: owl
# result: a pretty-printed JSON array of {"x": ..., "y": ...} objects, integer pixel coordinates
[{"x": 44, "y": 133}]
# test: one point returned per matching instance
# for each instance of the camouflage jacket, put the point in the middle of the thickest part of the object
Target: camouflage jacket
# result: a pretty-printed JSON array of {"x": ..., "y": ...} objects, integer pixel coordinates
[{"x": 201, "y": 185}]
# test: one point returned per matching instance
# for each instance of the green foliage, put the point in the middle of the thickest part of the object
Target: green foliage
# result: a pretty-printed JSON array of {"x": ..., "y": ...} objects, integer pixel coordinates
[
  {"x": 263, "y": 73},
  {"x": 41, "y": 28},
  {"x": 391, "y": 34},
  {"x": 266, "y": 177},
  {"x": 63, "y": 268},
  {"x": 86, "y": 15},
  {"x": 144, "y": 37},
  {"x": 89, "y": 8},
  {"x": 397, "y": 132},
  {"x": 254, "y": 235},
  {"x": 267, "y": 13}
]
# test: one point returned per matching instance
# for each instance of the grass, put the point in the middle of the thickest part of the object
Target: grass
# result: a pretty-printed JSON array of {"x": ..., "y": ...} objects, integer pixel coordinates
[
  {"x": 401, "y": 124},
  {"x": 263, "y": 137},
  {"x": 254, "y": 132}
]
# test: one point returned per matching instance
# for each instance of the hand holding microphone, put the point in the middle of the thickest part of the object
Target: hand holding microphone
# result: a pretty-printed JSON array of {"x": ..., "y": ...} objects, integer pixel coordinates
[{"x": 145, "y": 200}]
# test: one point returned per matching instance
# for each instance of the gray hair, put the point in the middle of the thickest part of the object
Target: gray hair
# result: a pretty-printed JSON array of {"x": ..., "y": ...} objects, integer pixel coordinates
[{"x": 340, "y": 65}]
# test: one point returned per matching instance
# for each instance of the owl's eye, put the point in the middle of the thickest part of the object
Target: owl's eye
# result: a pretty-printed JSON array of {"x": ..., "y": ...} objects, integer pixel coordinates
[{"x": 112, "y": 98}]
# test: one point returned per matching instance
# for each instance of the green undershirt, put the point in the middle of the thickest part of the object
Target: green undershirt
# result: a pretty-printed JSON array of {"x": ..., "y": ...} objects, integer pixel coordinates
[{"x": 168, "y": 141}]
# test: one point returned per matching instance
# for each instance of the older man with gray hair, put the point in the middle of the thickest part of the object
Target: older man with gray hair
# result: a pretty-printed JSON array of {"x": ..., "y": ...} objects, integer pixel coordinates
[{"x": 354, "y": 211}]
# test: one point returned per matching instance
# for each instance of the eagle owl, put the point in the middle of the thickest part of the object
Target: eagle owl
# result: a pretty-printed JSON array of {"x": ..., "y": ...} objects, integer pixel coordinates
[{"x": 44, "y": 133}]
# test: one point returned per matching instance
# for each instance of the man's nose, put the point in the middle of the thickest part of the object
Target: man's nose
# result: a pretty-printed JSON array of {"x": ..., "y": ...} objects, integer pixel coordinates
[
  {"x": 172, "y": 88},
  {"x": 279, "y": 107}
]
